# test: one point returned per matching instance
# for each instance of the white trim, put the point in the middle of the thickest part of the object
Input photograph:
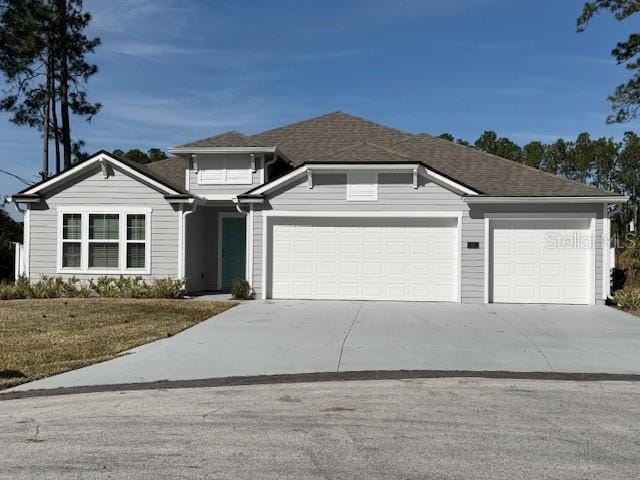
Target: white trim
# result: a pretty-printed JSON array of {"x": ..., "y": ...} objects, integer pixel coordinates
[
  {"x": 482, "y": 199},
  {"x": 606, "y": 241},
  {"x": 415, "y": 178},
  {"x": 178, "y": 150},
  {"x": 221, "y": 217},
  {"x": 226, "y": 196},
  {"x": 187, "y": 174},
  {"x": 459, "y": 258},
  {"x": 122, "y": 241},
  {"x": 591, "y": 297},
  {"x": 102, "y": 157},
  {"x": 363, "y": 213},
  {"x": 104, "y": 209},
  {"x": 283, "y": 179},
  {"x": 488, "y": 264},
  {"x": 181, "y": 243},
  {"x": 249, "y": 254},
  {"x": 487, "y": 251},
  {"x": 268, "y": 214},
  {"x": 310, "y": 179},
  {"x": 539, "y": 216},
  {"x": 398, "y": 167},
  {"x": 26, "y": 239},
  {"x": 448, "y": 182}
]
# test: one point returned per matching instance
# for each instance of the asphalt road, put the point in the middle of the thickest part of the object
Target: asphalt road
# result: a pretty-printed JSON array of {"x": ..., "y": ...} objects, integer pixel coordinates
[{"x": 404, "y": 429}]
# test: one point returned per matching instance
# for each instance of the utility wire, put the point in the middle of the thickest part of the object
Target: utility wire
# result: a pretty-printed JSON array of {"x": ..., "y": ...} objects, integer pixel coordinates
[{"x": 26, "y": 182}]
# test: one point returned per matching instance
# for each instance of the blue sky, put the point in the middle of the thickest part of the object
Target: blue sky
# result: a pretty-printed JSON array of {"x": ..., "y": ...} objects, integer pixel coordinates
[{"x": 176, "y": 70}]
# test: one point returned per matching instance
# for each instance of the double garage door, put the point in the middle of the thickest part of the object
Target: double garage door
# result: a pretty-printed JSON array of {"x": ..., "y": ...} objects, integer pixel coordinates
[
  {"x": 365, "y": 259},
  {"x": 530, "y": 261}
]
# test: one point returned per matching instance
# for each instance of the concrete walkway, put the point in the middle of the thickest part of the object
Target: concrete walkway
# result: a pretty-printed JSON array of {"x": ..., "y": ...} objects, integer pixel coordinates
[{"x": 275, "y": 337}]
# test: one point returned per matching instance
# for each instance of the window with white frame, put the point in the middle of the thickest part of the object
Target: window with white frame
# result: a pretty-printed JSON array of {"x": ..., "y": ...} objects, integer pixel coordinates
[
  {"x": 232, "y": 170},
  {"x": 362, "y": 186},
  {"x": 103, "y": 241}
]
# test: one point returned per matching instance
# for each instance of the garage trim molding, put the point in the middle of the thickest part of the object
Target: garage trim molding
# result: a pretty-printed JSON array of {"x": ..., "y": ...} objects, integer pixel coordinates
[
  {"x": 538, "y": 216},
  {"x": 269, "y": 214}
]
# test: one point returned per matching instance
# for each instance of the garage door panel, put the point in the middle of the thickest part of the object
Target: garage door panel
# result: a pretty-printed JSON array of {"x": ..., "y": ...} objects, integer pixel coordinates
[
  {"x": 531, "y": 264},
  {"x": 404, "y": 259}
]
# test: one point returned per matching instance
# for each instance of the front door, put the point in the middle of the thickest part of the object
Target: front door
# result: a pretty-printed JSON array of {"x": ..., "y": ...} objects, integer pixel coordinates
[{"x": 233, "y": 250}]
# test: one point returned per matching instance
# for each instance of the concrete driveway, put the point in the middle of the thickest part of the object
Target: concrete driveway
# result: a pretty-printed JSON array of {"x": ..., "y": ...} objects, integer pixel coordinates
[{"x": 275, "y": 337}]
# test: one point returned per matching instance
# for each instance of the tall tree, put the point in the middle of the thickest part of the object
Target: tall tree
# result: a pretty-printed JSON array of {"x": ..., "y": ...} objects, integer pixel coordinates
[
  {"x": 625, "y": 100},
  {"x": 557, "y": 156},
  {"x": 534, "y": 154},
  {"x": 43, "y": 52}
]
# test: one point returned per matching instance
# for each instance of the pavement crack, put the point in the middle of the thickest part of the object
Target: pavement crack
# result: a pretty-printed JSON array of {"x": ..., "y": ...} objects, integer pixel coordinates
[
  {"x": 344, "y": 340},
  {"x": 529, "y": 339}
]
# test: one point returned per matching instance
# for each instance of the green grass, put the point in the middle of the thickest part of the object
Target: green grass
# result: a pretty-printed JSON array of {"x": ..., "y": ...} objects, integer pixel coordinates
[{"x": 39, "y": 338}]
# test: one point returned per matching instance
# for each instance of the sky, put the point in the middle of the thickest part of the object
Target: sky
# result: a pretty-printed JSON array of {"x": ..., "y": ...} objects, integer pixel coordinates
[{"x": 171, "y": 71}]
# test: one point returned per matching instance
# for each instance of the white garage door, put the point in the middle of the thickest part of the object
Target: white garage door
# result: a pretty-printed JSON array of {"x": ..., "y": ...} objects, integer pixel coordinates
[
  {"x": 542, "y": 261},
  {"x": 365, "y": 259}
]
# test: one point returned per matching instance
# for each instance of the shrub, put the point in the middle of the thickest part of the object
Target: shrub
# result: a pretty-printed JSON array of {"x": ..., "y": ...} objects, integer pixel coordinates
[
  {"x": 122, "y": 287},
  {"x": 132, "y": 287},
  {"x": 47, "y": 287},
  {"x": 167, "y": 288},
  {"x": 8, "y": 291},
  {"x": 628, "y": 298},
  {"x": 241, "y": 289}
]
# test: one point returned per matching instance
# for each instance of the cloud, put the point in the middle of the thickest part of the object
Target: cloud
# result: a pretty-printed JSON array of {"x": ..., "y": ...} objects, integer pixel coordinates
[
  {"x": 145, "y": 49},
  {"x": 117, "y": 16}
]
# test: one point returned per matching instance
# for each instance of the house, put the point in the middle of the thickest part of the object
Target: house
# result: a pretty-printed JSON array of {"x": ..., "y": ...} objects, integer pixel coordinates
[{"x": 334, "y": 207}]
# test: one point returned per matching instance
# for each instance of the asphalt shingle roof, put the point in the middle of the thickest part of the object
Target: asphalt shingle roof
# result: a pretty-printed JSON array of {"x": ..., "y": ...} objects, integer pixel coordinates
[
  {"x": 171, "y": 169},
  {"x": 341, "y": 137},
  {"x": 231, "y": 138}
]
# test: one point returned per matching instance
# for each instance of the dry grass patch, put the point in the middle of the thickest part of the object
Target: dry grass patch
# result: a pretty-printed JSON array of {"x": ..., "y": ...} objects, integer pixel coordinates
[{"x": 39, "y": 338}]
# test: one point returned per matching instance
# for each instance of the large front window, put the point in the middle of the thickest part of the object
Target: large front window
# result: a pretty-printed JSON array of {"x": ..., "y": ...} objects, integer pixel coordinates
[{"x": 104, "y": 241}]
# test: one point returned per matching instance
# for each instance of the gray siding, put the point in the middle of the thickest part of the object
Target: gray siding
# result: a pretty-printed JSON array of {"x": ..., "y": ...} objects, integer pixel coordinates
[
  {"x": 396, "y": 193},
  {"x": 205, "y": 190},
  {"x": 117, "y": 190}
]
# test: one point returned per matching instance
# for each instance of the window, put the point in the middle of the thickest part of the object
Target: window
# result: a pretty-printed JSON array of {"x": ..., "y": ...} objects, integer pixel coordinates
[
  {"x": 233, "y": 170},
  {"x": 136, "y": 231},
  {"x": 104, "y": 231},
  {"x": 71, "y": 240},
  {"x": 104, "y": 241},
  {"x": 362, "y": 186}
]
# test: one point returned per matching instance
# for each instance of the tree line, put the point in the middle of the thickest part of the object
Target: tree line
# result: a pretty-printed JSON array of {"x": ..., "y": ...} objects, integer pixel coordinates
[{"x": 602, "y": 162}]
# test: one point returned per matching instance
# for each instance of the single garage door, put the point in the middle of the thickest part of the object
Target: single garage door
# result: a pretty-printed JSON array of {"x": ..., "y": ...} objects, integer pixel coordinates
[
  {"x": 542, "y": 261},
  {"x": 364, "y": 259}
]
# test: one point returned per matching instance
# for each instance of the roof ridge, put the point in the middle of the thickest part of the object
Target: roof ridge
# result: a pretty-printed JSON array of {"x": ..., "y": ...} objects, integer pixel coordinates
[{"x": 336, "y": 112}]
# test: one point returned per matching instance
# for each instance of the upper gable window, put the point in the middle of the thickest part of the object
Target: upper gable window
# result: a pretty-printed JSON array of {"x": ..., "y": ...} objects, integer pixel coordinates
[
  {"x": 362, "y": 186},
  {"x": 220, "y": 171}
]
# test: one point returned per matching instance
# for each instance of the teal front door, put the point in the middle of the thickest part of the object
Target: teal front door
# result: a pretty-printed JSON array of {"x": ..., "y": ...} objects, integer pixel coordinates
[{"x": 234, "y": 250}]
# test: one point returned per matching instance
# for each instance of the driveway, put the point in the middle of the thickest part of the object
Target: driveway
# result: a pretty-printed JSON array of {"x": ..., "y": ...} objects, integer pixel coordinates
[{"x": 276, "y": 337}]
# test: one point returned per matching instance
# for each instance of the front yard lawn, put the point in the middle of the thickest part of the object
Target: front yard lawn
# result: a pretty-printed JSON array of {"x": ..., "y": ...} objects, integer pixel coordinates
[{"x": 39, "y": 338}]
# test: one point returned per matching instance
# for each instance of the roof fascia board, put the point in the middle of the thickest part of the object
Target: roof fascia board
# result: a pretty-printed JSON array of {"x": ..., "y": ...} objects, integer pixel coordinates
[
  {"x": 99, "y": 158},
  {"x": 448, "y": 182},
  {"x": 267, "y": 187},
  {"x": 341, "y": 166},
  {"x": 574, "y": 199},
  {"x": 179, "y": 150}
]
